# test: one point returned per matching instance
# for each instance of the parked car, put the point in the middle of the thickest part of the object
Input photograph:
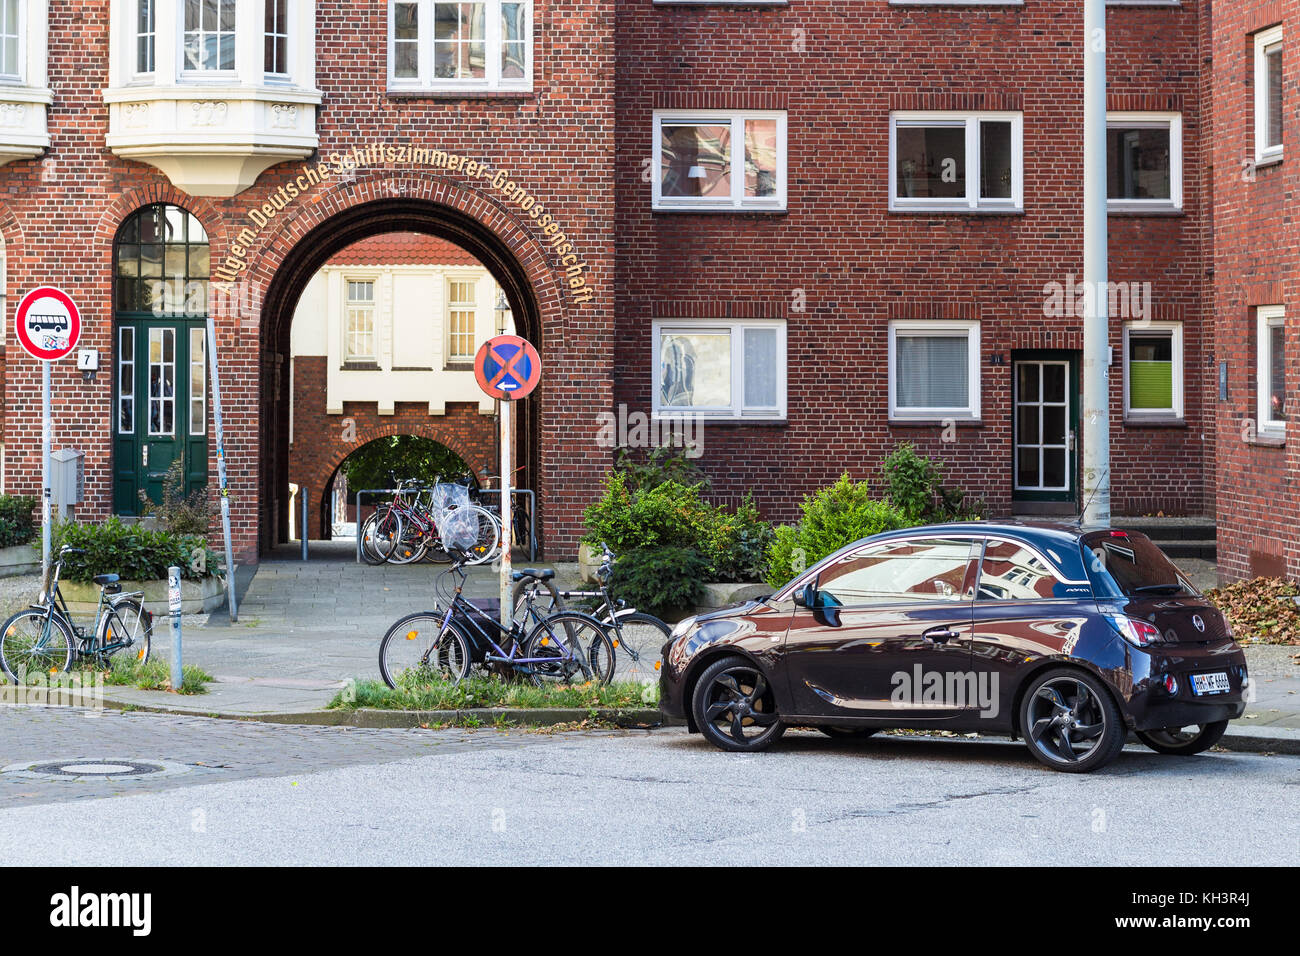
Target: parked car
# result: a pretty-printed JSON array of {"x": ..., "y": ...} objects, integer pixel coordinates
[{"x": 1065, "y": 636}]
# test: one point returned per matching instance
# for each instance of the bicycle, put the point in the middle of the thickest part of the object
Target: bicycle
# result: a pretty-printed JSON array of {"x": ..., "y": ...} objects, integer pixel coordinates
[
  {"x": 447, "y": 643},
  {"x": 418, "y": 536},
  {"x": 45, "y": 637},
  {"x": 640, "y": 635}
]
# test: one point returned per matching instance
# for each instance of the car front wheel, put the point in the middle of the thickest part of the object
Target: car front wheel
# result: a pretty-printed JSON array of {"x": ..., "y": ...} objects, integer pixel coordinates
[
  {"x": 734, "y": 706},
  {"x": 1183, "y": 741},
  {"x": 1070, "y": 721}
]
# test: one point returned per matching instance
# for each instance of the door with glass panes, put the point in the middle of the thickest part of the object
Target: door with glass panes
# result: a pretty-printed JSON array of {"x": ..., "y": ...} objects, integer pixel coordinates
[
  {"x": 160, "y": 356},
  {"x": 1045, "y": 410}
]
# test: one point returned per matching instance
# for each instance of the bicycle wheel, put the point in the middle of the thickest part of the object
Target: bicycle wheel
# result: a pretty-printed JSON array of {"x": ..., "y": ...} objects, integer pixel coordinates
[
  {"x": 380, "y": 535},
  {"x": 127, "y": 621},
  {"x": 546, "y": 599},
  {"x": 488, "y": 543},
  {"x": 416, "y": 651},
  {"x": 410, "y": 548},
  {"x": 639, "y": 639},
  {"x": 569, "y": 648},
  {"x": 33, "y": 642}
]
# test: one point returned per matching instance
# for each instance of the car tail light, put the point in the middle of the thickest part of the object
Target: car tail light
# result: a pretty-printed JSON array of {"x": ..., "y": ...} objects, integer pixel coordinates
[
  {"x": 1171, "y": 684},
  {"x": 1136, "y": 632}
]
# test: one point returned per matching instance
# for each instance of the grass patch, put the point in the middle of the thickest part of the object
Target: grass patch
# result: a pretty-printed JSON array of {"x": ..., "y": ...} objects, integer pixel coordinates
[
  {"x": 155, "y": 674},
  {"x": 1260, "y": 610},
  {"x": 480, "y": 692}
]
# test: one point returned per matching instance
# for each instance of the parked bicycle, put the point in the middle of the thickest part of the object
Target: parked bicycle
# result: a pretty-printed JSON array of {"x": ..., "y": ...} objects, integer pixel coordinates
[
  {"x": 446, "y": 643},
  {"x": 405, "y": 530},
  {"x": 638, "y": 637},
  {"x": 45, "y": 638}
]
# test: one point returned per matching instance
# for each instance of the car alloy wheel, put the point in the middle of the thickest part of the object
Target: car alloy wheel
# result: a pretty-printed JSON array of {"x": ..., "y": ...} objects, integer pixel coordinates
[
  {"x": 734, "y": 706},
  {"x": 1070, "y": 722},
  {"x": 1183, "y": 741}
]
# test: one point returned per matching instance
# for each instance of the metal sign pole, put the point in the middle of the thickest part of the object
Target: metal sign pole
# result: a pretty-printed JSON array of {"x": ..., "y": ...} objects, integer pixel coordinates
[
  {"x": 47, "y": 429},
  {"x": 507, "y": 611},
  {"x": 223, "y": 487}
]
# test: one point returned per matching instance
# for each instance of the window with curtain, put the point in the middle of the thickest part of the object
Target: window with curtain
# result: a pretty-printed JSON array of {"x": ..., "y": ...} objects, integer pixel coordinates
[
  {"x": 1153, "y": 370},
  {"x": 1274, "y": 404},
  {"x": 719, "y": 160},
  {"x": 934, "y": 370},
  {"x": 720, "y": 369}
]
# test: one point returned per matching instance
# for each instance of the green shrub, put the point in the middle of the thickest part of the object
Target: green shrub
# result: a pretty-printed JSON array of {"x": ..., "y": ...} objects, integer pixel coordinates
[
  {"x": 735, "y": 545},
  {"x": 16, "y": 524},
  {"x": 135, "y": 553},
  {"x": 835, "y": 516},
  {"x": 663, "y": 463},
  {"x": 663, "y": 580},
  {"x": 179, "y": 512},
  {"x": 912, "y": 482}
]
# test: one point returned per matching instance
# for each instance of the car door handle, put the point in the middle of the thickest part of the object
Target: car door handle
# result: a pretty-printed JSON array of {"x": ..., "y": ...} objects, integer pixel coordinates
[{"x": 940, "y": 635}]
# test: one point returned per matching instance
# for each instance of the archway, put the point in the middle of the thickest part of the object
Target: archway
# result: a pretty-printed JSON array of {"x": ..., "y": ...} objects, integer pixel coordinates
[{"x": 347, "y": 227}]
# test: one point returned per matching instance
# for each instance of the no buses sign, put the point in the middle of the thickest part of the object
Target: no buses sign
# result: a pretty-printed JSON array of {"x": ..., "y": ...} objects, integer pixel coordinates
[{"x": 47, "y": 323}]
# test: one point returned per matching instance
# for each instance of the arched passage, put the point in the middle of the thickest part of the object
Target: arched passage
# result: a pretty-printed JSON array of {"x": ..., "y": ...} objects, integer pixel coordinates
[{"x": 516, "y": 266}]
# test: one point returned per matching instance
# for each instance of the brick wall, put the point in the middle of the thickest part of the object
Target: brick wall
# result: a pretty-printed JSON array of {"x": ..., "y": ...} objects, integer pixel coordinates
[{"x": 1256, "y": 262}]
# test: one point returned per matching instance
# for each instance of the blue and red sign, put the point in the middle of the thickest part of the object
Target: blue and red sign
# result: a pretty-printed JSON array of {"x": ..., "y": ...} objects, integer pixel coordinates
[
  {"x": 47, "y": 323},
  {"x": 507, "y": 367}
]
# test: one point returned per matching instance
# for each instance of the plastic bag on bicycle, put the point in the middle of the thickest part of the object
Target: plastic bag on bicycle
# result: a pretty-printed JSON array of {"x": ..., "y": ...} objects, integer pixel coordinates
[{"x": 458, "y": 529}]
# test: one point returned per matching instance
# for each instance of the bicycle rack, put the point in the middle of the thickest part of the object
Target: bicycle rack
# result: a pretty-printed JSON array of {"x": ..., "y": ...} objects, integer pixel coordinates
[{"x": 532, "y": 515}]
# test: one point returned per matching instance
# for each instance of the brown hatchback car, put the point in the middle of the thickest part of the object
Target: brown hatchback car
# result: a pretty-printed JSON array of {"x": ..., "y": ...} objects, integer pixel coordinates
[{"x": 1065, "y": 636}]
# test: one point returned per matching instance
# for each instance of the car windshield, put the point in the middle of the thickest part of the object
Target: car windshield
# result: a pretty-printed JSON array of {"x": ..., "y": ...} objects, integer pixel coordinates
[{"x": 1120, "y": 563}]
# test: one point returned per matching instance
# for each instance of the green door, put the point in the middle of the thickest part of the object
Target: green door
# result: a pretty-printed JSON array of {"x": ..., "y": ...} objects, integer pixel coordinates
[
  {"x": 160, "y": 391},
  {"x": 161, "y": 402},
  {"x": 1045, "y": 422}
]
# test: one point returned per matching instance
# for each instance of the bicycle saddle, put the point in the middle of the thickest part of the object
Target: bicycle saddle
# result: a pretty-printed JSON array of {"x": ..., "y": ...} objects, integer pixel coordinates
[
  {"x": 103, "y": 579},
  {"x": 543, "y": 575}
]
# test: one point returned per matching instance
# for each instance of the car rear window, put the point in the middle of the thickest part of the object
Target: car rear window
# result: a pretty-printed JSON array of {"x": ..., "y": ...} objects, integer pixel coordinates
[{"x": 1122, "y": 563}]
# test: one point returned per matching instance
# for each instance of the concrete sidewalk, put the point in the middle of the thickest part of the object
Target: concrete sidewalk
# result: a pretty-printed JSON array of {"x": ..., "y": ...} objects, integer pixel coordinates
[{"x": 306, "y": 629}]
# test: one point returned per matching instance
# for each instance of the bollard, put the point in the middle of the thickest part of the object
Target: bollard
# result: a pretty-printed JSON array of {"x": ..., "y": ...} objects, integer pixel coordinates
[
  {"x": 302, "y": 523},
  {"x": 174, "y": 607}
]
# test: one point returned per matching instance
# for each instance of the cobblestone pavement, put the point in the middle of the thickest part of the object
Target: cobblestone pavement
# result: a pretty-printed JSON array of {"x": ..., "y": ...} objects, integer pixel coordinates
[
  {"x": 211, "y": 750},
  {"x": 265, "y": 794}
]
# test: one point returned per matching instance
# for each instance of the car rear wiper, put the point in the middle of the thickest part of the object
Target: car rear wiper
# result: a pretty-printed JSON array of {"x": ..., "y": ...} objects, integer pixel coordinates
[{"x": 1171, "y": 588}]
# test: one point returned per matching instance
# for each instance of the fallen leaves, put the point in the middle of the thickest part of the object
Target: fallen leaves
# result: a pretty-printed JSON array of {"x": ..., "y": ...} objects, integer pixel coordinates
[{"x": 1260, "y": 610}]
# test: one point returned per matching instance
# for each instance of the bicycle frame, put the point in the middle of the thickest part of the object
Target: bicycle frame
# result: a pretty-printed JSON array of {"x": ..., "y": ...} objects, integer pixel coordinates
[{"x": 56, "y": 605}]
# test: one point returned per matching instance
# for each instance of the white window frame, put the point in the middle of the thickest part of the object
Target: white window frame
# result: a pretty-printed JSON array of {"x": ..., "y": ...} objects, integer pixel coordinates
[
  {"x": 472, "y": 281},
  {"x": 198, "y": 427},
  {"x": 136, "y": 36},
  {"x": 1175, "y": 333},
  {"x": 186, "y": 72},
  {"x": 970, "y": 329},
  {"x": 491, "y": 82},
  {"x": 738, "y": 200},
  {"x": 1267, "y": 317},
  {"x": 971, "y": 121},
  {"x": 1265, "y": 153},
  {"x": 286, "y": 31},
  {"x": 20, "y": 11},
  {"x": 374, "y": 280},
  {"x": 1173, "y": 122},
  {"x": 735, "y": 328}
]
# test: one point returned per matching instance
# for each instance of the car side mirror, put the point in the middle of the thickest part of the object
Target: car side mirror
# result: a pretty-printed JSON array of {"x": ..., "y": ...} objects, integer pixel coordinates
[{"x": 806, "y": 596}]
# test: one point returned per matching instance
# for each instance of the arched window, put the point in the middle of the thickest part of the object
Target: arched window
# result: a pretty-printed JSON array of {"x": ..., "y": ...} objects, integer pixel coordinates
[{"x": 160, "y": 304}]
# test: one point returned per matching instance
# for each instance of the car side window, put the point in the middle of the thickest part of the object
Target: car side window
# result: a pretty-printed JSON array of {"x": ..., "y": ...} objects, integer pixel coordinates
[
  {"x": 1011, "y": 572},
  {"x": 909, "y": 571}
]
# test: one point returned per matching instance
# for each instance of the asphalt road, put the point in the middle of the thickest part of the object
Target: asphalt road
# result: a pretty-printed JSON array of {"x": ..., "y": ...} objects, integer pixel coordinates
[{"x": 248, "y": 793}]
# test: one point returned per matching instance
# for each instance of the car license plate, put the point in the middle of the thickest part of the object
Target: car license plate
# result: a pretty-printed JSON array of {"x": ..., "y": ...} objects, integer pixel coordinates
[{"x": 1216, "y": 683}]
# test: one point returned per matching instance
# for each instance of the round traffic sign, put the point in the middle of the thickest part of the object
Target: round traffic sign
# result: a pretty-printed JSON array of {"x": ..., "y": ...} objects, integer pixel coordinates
[
  {"x": 47, "y": 323},
  {"x": 507, "y": 367}
]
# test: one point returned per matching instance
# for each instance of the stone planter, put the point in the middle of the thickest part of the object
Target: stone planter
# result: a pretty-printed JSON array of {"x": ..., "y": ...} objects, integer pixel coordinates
[
  {"x": 20, "y": 559},
  {"x": 725, "y": 593},
  {"x": 588, "y": 562},
  {"x": 197, "y": 597}
]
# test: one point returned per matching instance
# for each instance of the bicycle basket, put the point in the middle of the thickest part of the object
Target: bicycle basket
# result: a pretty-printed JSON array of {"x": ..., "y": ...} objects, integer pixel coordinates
[{"x": 459, "y": 529}]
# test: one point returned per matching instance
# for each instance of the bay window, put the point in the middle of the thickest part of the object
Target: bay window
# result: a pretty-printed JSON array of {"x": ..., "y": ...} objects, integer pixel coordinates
[
  {"x": 1144, "y": 161},
  {"x": 1153, "y": 370},
  {"x": 720, "y": 369},
  {"x": 209, "y": 38},
  {"x": 146, "y": 36},
  {"x": 10, "y": 40},
  {"x": 275, "y": 54},
  {"x": 1270, "y": 374},
  {"x": 25, "y": 95},
  {"x": 956, "y": 161},
  {"x": 1268, "y": 95},
  {"x": 934, "y": 370},
  {"x": 450, "y": 46}
]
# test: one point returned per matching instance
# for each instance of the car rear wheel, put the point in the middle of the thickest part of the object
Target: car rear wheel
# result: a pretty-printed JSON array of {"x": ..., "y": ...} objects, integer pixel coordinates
[
  {"x": 1183, "y": 741},
  {"x": 734, "y": 706},
  {"x": 1070, "y": 722},
  {"x": 848, "y": 733}
]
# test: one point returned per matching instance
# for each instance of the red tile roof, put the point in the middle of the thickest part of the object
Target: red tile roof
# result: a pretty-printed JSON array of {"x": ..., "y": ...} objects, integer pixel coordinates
[{"x": 403, "y": 248}]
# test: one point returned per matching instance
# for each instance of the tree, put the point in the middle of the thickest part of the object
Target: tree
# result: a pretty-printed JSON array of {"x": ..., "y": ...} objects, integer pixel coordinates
[{"x": 406, "y": 456}]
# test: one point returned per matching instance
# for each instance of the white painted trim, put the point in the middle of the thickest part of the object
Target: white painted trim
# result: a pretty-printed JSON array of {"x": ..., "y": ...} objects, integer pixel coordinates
[
  {"x": 951, "y": 329},
  {"x": 1173, "y": 122},
  {"x": 1263, "y": 152},
  {"x": 492, "y": 81},
  {"x": 735, "y": 329},
  {"x": 737, "y": 199},
  {"x": 1175, "y": 331},
  {"x": 972, "y": 202},
  {"x": 1266, "y": 317}
]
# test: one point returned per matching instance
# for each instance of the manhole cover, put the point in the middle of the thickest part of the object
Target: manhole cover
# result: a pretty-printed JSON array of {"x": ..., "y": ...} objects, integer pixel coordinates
[{"x": 93, "y": 768}]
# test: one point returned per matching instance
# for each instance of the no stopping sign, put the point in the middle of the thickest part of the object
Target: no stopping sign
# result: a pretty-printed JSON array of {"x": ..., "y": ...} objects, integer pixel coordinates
[{"x": 47, "y": 323}]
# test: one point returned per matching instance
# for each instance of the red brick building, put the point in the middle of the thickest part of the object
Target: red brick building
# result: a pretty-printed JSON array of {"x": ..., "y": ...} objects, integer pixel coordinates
[{"x": 821, "y": 228}]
